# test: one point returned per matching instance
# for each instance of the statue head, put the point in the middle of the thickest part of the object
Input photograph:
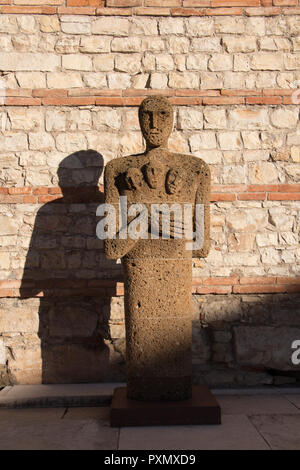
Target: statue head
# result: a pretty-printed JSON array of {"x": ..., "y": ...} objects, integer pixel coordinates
[{"x": 156, "y": 120}]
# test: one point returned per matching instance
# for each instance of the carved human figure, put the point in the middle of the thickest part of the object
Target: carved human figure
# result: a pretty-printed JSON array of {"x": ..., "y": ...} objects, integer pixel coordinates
[{"x": 157, "y": 271}]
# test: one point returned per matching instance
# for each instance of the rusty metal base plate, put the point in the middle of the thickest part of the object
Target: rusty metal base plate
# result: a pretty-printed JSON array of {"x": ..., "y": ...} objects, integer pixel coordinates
[{"x": 202, "y": 408}]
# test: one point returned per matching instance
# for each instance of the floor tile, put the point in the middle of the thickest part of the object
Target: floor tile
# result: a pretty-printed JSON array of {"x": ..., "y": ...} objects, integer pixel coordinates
[
  {"x": 255, "y": 404},
  {"x": 235, "y": 432},
  {"x": 58, "y": 435},
  {"x": 282, "y": 432},
  {"x": 100, "y": 413},
  {"x": 34, "y": 414},
  {"x": 295, "y": 399}
]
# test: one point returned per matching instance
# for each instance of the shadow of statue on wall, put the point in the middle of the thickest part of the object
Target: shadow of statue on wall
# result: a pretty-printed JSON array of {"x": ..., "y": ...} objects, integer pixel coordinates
[{"x": 66, "y": 267}]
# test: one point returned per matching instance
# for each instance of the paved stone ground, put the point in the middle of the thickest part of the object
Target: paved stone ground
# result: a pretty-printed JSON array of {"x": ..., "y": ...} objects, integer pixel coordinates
[{"x": 249, "y": 421}]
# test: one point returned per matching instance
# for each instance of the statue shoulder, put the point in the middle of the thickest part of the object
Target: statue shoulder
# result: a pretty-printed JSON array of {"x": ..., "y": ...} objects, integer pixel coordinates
[
  {"x": 195, "y": 164},
  {"x": 120, "y": 164}
]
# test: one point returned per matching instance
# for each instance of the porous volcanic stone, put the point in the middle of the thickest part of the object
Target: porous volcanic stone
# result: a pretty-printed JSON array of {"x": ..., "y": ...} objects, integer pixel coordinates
[{"x": 157, "y": 272}]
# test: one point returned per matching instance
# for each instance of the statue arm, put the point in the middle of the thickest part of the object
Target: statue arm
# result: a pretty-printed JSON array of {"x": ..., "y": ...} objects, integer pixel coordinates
[
  {"x": 115, "y": 248},
  {"x": 203, "y": 197}
]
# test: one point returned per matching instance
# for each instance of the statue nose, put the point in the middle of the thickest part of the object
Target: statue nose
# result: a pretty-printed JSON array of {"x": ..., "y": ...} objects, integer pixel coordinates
[{"x": 153, "y": 121}]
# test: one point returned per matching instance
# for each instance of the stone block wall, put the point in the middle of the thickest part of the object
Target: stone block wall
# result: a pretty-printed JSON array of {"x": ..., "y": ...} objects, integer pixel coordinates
[{"x": 72, "y": 76}]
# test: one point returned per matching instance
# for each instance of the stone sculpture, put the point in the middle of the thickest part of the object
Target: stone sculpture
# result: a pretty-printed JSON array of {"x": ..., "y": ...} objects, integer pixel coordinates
[{"x": 157, "y": 272}]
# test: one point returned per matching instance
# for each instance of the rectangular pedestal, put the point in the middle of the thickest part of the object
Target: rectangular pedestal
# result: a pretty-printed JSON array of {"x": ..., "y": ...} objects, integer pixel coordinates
[{"x": 202, "y": 408}]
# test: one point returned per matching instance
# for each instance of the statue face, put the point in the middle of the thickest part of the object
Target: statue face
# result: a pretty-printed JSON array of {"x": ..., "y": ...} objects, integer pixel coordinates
[
  {"x": 156, "y": 120},
  {"x": 154, "y": 174},
  {"x": 173, "y": 181}
]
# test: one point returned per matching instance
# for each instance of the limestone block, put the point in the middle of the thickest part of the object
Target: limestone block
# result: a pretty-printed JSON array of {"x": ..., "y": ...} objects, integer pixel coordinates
[
  {"x": 49, "y": 24},
  {"x": 251, "y": 139},
  {"x": 280, "y": 219},
  {"x": 248, "y": 118},
  {"x": 295, "y": 154},
  {"x": 95, "y": 80},
  {"x": 77, "y": 62},
  {"x": 26, "y": 24},
  {"x": 75, "y": 28},
  {"x": 79, "y": 119},
  {"x": 70, "y": 142},
  {"x": 26, "y": 118},
  {"x": 240, "y": 220},
  {"x": 140, "y": 81},
  {"x": 64, "y": 80},
  {"x": 211, "y": 80},
  {"x": 158, "y": 80},
  {"x": 55, "y": 120},
  {"x": 13, "y": 141},
  {"x": 26, "y": 368},
  {"x": 4, "y": 260},
  {"x": 94, "y": 44},
  {"x": 239, "y": 242},
  {"x": 197, "y": 62},
  {"x": 241, "y": 259},
  {"x": 8, "y": 24},
  {"x": 144, "y": 26},
  {"x": 2, "y": 352},
  {"x": 256, "y": 26},
  {"x": 267, "y": 61},
  {"x": 129, "y": 63},
  {"x": 256, "y": 155},
  {"x": 212, "y": 157},
  {"x": 67, "y": 44},
  {"x": 229, "y": 24},
  {"x": 263, "y": 173},
  {"x": 17, "y": 61},
  {"x": 230, "y": 140},
  {"x": 178, "y": 143},
  {"x": 24, "y": 42},
  {"x": 107, "y": 118},
  {"x": 220, "y": 62},
  {"x": 111, "y": 25},
  {"x": 272, "y": 139},
  {"x": 293, "y": 25},
  {"x": 265, "y": 346},
  {"x": 288, "y": 238},
  {"x": 241, "y": 63},
  {"x": 6, "y": 44},
  {"x": 171, "y": 26},
  {"x": 164, "y": 62},
  {"x": 180, "y": 61},
  {"x": 284, "y": 118},
  {"x": 31, "y": 79},
  {"x": 206, "y": 44},
  {"x": 148, "y": 61},
  {"x": 269, "y": 255},
  {"x": 293, "y": 172},
  {"x": 189, "y": 118},
  {"x": 42, "y": 141},
  {"x": 203, "y": 140},
  {"x": 118, "y": 80},
  {"x": 153, "y": 44},
  {"x": 19, "y": 319},
  {"x": 104, "y": 62},
  {"x": 131, "y": 143},
  {"x": 245, "y": 44},
  {"x": 131, "y": 44},
  {"x": 183, "y": 80},
  {"x": 178, "y": 45},
  {"x": 214, "y": 118},
  {"x": 8, "y": 225},
  {"x": 199, "y": 26},
  {"x": 288, "y": 256}
]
